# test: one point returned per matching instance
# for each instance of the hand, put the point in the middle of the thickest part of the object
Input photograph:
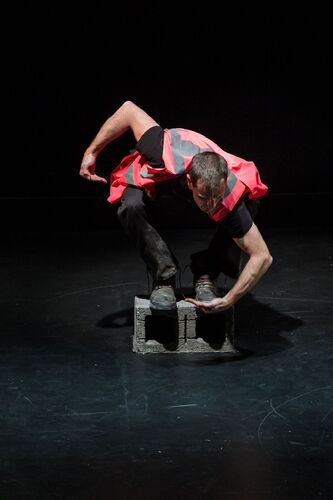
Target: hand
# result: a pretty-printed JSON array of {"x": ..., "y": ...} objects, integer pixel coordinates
[
  {"x": 215, "y": 305},
  {"x": 87, "y": 170}
]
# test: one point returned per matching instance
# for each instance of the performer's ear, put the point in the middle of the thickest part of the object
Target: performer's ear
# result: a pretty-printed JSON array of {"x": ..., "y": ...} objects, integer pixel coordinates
[{"x": 189, "y": 182}]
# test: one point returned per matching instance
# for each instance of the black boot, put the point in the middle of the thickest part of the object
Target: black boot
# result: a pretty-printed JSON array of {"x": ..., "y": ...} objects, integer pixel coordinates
[
  {"x": 163, "y": 297},
  {"x": 205, "y": 289}
]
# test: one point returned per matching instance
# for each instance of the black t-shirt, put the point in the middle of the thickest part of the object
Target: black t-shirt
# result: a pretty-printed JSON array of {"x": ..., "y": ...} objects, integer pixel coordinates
[{"x": 237, "y": 222}]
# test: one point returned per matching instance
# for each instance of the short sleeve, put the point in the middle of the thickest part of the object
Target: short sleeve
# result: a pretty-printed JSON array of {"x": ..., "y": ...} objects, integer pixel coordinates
[
  {"x": 150, "y": 146},
  {"x": 239, "y": 221}
]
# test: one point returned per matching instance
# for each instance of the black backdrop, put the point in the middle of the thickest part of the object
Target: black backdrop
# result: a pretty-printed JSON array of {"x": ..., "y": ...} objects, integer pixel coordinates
[{"x": 256, "y": 82}]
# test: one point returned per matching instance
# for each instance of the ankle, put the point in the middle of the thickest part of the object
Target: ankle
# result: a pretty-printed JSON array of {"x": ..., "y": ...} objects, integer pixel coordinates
[
  {"x": 167, "y": 282},
  {"x": 203, "y": 278}
]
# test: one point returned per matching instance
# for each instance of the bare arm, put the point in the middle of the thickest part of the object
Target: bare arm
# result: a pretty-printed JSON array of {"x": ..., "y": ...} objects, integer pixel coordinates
[
  {"x": 259, "y": 262},
  {"x": 127, "y": 117}
]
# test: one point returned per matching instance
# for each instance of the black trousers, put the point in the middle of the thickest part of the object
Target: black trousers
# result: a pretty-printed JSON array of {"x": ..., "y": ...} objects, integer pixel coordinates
[{"x": 137, "y": 216}]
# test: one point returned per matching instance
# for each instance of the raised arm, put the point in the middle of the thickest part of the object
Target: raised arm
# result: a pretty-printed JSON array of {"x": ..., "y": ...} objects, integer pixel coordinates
[
  {"x": 253, "y": 244},
  {"x": 128, "y": 117}
]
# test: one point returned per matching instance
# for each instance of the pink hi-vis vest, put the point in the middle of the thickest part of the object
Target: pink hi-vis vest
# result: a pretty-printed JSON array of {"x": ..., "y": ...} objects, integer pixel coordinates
[{"x": 180, "y": 146}]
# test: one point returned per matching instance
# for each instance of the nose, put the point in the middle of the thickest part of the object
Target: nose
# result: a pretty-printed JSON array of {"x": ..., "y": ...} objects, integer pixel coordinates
[{"x": 213, "y": 202}]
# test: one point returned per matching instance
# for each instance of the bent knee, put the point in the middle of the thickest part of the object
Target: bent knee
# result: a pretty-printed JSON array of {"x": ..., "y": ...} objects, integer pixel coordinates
[{"x": 131, "y": 202}]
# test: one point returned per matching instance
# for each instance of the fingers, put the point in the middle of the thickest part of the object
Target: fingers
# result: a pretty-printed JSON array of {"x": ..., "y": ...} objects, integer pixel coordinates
[
  {"x": 200, "y": 304},
  {"x": 204, "y": 306},
  {"x": 191, "y": 300},
  {"x": 96, "y": 178},
  {"x": 93, "y": 177},
  {"x": 217, "y": 305}
]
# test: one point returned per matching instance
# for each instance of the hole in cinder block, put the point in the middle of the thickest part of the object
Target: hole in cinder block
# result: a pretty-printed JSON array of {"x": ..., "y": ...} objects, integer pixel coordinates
[
  {"x": 162, "y": 329},
  {"x": 212, "y": 329}
]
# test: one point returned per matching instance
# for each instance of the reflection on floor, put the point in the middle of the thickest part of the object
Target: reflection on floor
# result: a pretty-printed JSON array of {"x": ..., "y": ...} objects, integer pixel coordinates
[{"x": 83, "y": 417}]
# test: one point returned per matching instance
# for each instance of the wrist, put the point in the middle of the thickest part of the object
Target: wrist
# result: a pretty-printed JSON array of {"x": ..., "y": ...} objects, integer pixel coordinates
[
  {"x": 230, "y": 299},
  {"x": 90, "y": 154}
]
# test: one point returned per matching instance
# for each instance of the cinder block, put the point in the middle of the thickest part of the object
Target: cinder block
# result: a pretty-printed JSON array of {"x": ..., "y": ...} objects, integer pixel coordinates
[{"x": 183, "y": 330}]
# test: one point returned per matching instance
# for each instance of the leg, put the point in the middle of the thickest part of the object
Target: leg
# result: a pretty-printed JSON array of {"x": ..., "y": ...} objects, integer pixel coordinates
[
  {"x": 222, "y": 254},
  {"x": 160, "y": 262},
  {"x": 133, "y": 216}
]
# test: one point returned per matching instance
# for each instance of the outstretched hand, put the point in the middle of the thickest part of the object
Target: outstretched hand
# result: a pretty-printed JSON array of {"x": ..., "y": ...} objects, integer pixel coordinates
[
  {"x": 215, "y": 305},
  {"x": 87, "y": 170}
]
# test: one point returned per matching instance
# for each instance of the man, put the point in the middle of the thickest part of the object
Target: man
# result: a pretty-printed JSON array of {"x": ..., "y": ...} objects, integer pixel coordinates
[{"x": 178, "y": 163}]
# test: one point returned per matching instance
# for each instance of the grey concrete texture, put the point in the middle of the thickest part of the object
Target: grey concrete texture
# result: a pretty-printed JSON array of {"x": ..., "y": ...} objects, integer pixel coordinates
[{"x": 184, "y": 330}]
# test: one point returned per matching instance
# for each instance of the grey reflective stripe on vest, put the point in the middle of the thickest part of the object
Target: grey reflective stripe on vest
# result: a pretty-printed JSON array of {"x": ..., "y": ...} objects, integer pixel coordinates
[
  {"x": 231, "y": 181},
  {"x": 182, "y": 148},
  {"x": 144, "y": 173},
  {"x": 129, "y": 177}
]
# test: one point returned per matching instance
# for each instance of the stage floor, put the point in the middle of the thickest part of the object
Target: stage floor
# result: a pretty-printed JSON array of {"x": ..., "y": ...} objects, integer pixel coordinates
[{"x": 84, "y": 417}]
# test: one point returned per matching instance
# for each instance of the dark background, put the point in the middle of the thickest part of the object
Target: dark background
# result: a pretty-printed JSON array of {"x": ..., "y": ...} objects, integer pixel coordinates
[
  {"x": 82, "y": 417},
  {"x": 257, "y": 82}
]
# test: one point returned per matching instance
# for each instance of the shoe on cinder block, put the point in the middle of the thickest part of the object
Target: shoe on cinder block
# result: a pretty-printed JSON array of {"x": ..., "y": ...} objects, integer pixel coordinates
[
  {"x": 163, "y": 297},
  {"x": 205, "y": 289}
]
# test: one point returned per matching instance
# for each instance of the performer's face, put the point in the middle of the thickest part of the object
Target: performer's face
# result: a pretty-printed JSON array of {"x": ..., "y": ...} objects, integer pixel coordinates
[{"x": 207, "y": 202}]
